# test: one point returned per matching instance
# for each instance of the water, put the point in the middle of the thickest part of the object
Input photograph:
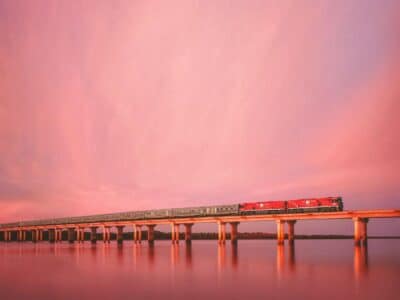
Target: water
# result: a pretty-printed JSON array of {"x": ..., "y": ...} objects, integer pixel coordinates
[{"x": 313, "y": 269}]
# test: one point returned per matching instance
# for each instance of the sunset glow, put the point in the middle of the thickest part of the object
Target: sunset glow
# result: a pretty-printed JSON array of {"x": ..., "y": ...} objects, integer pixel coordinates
[{"x": 112, "y": 106}]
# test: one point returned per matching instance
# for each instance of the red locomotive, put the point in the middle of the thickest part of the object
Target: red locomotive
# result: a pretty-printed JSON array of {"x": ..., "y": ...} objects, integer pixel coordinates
[{"x": 292, "y": 206}]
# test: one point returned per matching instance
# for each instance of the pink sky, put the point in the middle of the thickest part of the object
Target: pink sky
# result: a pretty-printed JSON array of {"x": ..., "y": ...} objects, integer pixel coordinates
[{"x": 125, "y": 105}]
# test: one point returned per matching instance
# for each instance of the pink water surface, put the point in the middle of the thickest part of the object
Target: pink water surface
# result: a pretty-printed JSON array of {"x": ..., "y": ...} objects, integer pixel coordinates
[{"x": 252, "y": 270}]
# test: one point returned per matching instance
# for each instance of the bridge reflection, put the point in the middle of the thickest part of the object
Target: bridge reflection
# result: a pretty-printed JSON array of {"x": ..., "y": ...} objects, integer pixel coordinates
[
  {"x": 360, "y": 261},
  {"x": 232, "y": 259},
  {"x": 285, "y": 253},
  {"x": 227, "y": 256}
]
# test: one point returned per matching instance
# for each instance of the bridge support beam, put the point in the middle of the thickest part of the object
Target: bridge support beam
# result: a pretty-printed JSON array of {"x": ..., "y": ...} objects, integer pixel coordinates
[
  {"x": 19, "y": 235},
  {"x": 280, "y": 232},
  {"x": 360, "y": 231},
  {"x": 93, "y": 235},
  {"x": 40, "y": 234},
  {"x": 175, "y": 233},
  {"x": 221, "y": 232},
  {"x": 58, "y": 235},
  {"x": 106, "y": 234},
  {"x": 137, "y": 233},
  {"x": 234, "y": 232},
  {"x": 120, "y": 234},
  {"x": 176, "y": 230},
  {"x": 82, "y": 235},
  {"x": 150, "y": 233},
  {"x": 52, "y": 235},
  {"x": 34, "y": 235},
  {"x": 188, "y": 233},
  {"x": 291, "y": 231},
  {"x": 71, "y": 235},
  {"x": 23, "y": 235}
]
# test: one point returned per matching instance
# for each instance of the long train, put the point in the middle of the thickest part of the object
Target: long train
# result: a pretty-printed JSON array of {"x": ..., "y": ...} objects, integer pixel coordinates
[{"x": 248, "y": 208}]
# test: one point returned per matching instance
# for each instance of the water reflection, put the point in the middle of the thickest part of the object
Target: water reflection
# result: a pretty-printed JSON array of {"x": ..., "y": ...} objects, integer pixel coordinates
[
  {"x": 174, "y": 254},
  {"x": 360, "y": 261},
  {"x": 221, "y": 257},
  {"x": 150, "y": 254},
  {"x": 234, "y": 255},
  {"x": 292, "y": 257},
  {"x": 182, "y": 272},
  {"x": 137, "y": 251},
  {"x": 281, "y": 258},
  {"x": 188, "y": 255}
]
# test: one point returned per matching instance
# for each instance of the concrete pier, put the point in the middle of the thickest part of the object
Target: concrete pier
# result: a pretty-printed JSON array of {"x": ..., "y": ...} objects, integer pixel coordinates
[
  {"x": 137, "y": 233},
  {"x": 234, "y": 232},
  {"x": 221, "y": 232},
  {"x": 58, "y": 235},
  {"x": 188, "y": 233},
  {"x": 120, "y": 234},
  {"x": 106, "y": 234},
  {"x": 280, "y": 232},
  {"x": 360, "y": 231},
  {"x": 93, "y": 235},
  {"x": 78, "y": 234},
  {"x": 71, "y": 235},
  {"x": 150, "y": 233},
  {"x": 34, "y": 235},
  {"x": 291, "y": 231},
  {"x": 175, "y": 233},
  {"x": 82, "y": 235},
  {"x": 52, "y": 235},
  {"x": 176, "y": 230}
]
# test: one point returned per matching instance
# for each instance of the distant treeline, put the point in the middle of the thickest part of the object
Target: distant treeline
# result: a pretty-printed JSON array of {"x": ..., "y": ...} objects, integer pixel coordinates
[{"x": 159, "y": 235}]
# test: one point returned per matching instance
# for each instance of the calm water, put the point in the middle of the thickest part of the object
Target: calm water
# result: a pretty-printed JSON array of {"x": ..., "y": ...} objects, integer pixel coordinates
[{"x": 325, "y": 269}]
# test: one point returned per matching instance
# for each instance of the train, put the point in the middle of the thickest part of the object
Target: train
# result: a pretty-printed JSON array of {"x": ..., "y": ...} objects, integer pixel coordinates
[{"x": 327, "y": 204}]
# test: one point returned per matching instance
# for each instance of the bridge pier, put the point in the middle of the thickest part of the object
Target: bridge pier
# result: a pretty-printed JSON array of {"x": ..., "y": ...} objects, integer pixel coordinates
[
  {"x": 120, "y": 234},
  {"x": 234, "y": 232},
  {"x": 71, "y": 235},
  {"x": 176, "y": 230},
  {"x": 93, "y": 235},
  {"x": 150, "y": 233},
  {"x": 19, "y": 235},
  {"x": 80, "y": 234},
  {"x": 34, "y": 236},
  {"x": 188, "y": 233},
  {"x": 291, "y": 231},
  {"x": 52, "y": 235},
  {"x": 280, "y": 232},
  {"x": 59, "y": 235},
  {"x": 40, "y": 234},
  {"x": 137, "y": 233},
  {"x": 221, "y": 232},
  {"x": 106, "y": 234},
  {"x": 360, "y": 231}
]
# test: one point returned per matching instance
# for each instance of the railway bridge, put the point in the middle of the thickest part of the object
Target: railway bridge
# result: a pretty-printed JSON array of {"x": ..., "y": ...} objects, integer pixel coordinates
[{"x": 76, "y": 231}]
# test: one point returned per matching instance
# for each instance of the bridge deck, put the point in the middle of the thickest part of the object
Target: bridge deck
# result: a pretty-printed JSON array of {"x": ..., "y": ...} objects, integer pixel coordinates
[{"x": 365, "y": 214}]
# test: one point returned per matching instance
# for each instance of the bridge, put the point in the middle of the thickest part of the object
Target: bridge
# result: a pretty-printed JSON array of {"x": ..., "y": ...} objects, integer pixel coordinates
[{"x": 76, "y": 230}]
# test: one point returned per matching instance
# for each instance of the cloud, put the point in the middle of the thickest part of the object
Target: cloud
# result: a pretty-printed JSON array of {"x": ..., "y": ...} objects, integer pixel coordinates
[{"x": 142, "y": 105}]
